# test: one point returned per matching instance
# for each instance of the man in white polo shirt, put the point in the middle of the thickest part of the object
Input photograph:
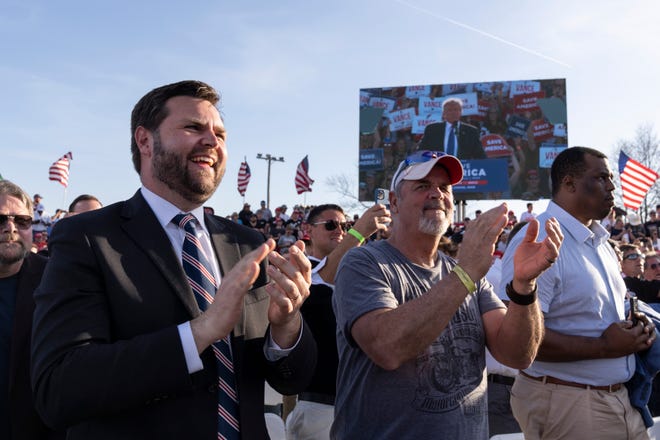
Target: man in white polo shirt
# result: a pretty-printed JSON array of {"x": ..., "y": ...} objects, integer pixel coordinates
[{"x": 574, "y": 388}]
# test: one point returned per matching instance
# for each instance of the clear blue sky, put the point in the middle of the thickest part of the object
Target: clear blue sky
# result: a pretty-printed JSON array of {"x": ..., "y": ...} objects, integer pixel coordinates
[{"x": 290, "y": 73}]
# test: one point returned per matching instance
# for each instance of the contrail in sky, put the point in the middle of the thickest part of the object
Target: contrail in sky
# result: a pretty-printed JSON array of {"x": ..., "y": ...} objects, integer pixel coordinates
[{"x": 485, "y": 34}]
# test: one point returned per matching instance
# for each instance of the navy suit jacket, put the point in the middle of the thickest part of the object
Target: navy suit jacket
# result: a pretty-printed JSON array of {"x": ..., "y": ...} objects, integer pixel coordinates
[
  {"x": 467, "y": 138},
  {"x": 107, "y": 360}
]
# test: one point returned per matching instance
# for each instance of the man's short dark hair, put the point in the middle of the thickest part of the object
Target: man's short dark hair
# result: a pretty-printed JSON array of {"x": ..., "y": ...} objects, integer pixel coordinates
[
  {"x": 82, "y": 198},
  {"x": 150, "y": 110},
  {"x": 570, "y": 162},
  {"x": 320, "y": 209},
  {"x": 628, "y": 247}
]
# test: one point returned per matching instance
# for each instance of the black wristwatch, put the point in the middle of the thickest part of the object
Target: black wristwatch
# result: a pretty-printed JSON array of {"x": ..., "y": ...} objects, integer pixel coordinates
[{"x": 521, "y": 300}]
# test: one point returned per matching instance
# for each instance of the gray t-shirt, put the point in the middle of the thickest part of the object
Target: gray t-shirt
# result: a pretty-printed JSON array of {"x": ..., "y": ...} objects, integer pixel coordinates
[{"x": 440, "y": 394}]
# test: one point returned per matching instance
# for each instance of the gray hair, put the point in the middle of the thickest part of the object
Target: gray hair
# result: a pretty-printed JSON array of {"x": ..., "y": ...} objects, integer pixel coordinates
[{"x": 452, "y": 100}]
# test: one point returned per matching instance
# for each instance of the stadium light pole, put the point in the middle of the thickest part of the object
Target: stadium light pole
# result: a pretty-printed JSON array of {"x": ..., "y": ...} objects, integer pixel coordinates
[{"x": 270, "y": 159}]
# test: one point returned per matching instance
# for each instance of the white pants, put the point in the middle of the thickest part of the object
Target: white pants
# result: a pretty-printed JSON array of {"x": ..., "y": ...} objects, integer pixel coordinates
[{"x": 310, "y": 421}]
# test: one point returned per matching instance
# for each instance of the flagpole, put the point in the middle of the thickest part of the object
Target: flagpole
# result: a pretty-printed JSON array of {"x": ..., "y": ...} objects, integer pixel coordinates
[
  {"x": 65, "y": 188},
  {"x": 270, "y": 159}
]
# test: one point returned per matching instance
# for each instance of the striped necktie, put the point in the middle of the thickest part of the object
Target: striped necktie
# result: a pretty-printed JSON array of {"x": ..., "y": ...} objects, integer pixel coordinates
[{"x": 199, "y": 271}]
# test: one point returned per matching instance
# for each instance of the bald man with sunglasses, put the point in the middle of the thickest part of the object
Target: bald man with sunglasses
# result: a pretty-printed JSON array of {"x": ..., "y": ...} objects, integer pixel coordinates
[{"x": 330, "y": 238}]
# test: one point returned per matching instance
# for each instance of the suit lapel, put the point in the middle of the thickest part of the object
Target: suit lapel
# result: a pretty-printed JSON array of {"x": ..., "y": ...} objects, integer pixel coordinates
[
  {"x": 142, "y": 226},
  {"x": 229, "y": 254},
  {"x": 225, "y": 245}
]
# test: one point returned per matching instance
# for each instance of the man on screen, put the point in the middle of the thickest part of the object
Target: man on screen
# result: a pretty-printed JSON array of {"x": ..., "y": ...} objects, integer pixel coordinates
[{"x": 453, "y": 136}]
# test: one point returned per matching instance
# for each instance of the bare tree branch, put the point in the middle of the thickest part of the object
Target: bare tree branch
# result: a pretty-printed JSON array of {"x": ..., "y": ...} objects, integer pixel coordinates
[{"x": 347, "y": 189}]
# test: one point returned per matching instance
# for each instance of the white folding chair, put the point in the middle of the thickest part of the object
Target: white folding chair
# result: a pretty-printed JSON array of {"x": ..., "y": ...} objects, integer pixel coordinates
[
  {"x": 654, "y": 431},
  {"x": 512, "y": 436},
  {"x": 275, "y": 426}
]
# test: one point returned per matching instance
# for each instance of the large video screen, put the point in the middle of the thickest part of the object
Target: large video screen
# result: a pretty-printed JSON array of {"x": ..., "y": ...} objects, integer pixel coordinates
[{"x": 506, "y": 133}]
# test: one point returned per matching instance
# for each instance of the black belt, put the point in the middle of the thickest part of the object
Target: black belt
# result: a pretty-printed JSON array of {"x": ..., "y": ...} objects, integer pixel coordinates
[
  {"x": 326, "y": 399},
  {"x": 503, "y": 380}
]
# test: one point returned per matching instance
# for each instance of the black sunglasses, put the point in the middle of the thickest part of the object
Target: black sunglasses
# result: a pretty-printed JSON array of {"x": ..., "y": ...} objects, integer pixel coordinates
[
  {"x": 633, "y": 256},
  {"x": 331, "y": 225},
  {"x": 654, "y": 266},
  {"x": 21, "y": 221}
]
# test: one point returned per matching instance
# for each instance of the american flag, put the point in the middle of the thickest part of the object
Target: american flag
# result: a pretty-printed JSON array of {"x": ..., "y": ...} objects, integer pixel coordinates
[
  {"x": 636, "y": 180},
  {"x": 59, "y": 170},
  {"x": 243, "y": 177},
  {"x": 303, "y": 181}
]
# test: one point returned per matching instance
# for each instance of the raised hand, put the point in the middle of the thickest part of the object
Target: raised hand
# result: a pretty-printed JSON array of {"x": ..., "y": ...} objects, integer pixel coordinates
[
  {"x": 373, "y": 219},
  {"x": 288, "y": 289},
  {"x": 225, "y": 311},
  {"x": 532, "y": 258}
]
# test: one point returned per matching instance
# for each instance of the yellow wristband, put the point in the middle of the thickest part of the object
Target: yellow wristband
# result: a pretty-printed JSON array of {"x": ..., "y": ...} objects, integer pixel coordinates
[
  {"x": 357, "y": 235},
  {"x": 465, "y": 278}
]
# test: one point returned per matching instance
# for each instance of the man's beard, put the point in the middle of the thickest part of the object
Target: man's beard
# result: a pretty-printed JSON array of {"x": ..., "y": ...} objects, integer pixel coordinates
[
  {"x": 171, "y": 169},
  {"x": 435, "y": 226},
  {"x": 13, "y": 252}
]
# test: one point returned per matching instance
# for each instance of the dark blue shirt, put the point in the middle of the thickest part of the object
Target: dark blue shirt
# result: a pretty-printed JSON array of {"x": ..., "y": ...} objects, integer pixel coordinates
[{"x": 8, "y": 287}]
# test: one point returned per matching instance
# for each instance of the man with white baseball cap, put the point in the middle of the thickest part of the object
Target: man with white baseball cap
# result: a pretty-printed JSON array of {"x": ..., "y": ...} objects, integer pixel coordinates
[
  {"x": 412, "y": 322},
  {"x": 419, "y": 165}
]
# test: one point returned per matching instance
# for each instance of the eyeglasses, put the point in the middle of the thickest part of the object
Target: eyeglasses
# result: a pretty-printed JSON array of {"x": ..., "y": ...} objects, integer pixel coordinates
[
  {"x": 654, "y": 266},
  {"x": 633, "y": 256},
  {"x": 331, "y": 225},
  {"x": 21, "y": 221}
]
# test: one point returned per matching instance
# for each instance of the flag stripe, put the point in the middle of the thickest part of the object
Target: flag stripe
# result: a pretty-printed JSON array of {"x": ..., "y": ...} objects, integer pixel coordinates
[
  {"x": 636, "y": 180},
  {"x": 59, "y": 170},
  {"x": 243, "y": 178},
  {"x": 303, "y": 181}
]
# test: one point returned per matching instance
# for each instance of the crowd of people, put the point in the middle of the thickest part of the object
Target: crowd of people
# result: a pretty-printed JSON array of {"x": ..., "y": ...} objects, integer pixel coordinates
[
  {"x": 154, "y": 317},
  {"x": 635, "y": 243}
]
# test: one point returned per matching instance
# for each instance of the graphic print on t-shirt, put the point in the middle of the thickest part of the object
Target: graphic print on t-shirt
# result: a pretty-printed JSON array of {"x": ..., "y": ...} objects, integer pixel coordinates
[{"x": 449, "y": 370}]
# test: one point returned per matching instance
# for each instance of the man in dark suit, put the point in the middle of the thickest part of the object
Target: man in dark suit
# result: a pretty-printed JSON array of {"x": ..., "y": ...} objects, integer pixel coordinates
[
  {"x": 453, "y": 136},
  {"x": 20, "y": 273},
  {"x": 120, "y": 347}
]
